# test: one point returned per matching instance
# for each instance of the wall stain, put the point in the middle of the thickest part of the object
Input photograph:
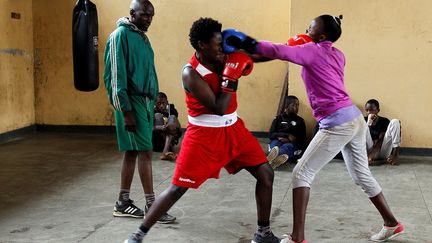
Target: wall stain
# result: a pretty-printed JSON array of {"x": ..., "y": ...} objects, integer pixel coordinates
[
  {"x": 16, "y": 52},
  {"x": 109, "y": 116}
]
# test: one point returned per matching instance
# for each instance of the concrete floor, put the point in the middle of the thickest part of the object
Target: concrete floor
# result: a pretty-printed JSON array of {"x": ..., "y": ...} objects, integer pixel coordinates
[{"x": 62, "y": 187}]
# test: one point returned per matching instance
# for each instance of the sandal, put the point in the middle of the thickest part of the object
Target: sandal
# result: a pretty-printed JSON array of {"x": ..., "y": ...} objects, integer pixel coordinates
[{"x": 168, "y": 156}]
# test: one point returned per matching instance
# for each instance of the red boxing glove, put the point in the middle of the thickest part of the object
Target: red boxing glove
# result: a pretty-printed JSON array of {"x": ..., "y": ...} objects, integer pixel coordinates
[
  {"x": 236, "y": 65},
  {"x": 299, "y": 40}
]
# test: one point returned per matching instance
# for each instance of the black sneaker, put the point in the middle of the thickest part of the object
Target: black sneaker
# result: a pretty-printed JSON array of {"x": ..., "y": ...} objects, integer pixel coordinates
[
  {"x": 128, "y": 209},
  {"x": 267, "y": 238},
  {"x": 164, "y": 218}
]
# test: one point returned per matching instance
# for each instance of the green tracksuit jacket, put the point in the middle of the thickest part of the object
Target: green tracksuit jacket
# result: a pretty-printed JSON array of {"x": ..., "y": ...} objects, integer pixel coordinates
[{"x": 129, "y": 66}]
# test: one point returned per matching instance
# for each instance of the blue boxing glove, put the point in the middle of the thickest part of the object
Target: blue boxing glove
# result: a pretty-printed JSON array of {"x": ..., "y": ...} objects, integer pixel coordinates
[{"x": 232, "y": 40}]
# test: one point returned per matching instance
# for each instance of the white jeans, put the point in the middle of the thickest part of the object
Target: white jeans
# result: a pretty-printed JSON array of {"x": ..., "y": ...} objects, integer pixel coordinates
[
  {"x": 349, "y": 137},
  {"x": 392, "y": 139}
]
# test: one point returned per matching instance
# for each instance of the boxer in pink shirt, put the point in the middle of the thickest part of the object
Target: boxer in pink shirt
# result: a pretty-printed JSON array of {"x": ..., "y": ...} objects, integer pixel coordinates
[{"x": 342, "y": 126}]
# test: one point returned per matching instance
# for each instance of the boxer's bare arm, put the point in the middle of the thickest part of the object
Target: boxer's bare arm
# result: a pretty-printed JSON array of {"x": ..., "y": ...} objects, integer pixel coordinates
[{"x": 194, "y": 84}]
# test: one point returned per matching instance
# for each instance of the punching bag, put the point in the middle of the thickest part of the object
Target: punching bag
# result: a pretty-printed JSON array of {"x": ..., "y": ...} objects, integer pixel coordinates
[{"x": 85, "y": 46}]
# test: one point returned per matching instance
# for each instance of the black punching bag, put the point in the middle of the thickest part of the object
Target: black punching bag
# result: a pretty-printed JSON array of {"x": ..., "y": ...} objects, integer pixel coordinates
[{"x": 85, "y": 46}]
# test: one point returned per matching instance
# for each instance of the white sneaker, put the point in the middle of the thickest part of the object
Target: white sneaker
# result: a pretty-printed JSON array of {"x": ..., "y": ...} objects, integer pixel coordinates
[
  {"x": 388, "y": 233},
  {"x": 288, "y": 239},
  {"x": 273, "y": 154},
  {"x": 132, "y": 239},
  {"x": 279, "y": 161}
]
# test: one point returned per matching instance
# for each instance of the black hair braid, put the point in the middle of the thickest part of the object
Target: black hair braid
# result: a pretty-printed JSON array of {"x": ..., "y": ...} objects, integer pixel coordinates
[{"x": 338, "y": 19}]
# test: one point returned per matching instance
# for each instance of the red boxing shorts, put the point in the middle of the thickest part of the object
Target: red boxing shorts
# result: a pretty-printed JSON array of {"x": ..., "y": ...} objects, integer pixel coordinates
[{"x": 206, "y": 150}]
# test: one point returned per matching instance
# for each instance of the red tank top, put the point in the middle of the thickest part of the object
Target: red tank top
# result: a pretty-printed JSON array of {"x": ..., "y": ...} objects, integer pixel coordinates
[{"x": 195, "y": 108}]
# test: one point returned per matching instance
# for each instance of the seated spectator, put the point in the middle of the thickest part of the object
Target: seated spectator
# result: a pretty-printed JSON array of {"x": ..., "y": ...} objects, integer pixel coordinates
[
  {"x": 287, "y": 135},
  {"x": 166, "y": 129},
  {"x": 384, "y": 136}
]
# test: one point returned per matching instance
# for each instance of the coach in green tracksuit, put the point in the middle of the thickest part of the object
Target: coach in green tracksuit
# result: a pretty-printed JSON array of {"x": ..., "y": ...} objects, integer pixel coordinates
[{"x": 131, "y": 81}]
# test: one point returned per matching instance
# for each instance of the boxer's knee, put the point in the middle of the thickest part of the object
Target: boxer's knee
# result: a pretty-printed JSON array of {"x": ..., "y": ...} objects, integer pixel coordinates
[
  {"x": 300, "y": 177},
  {"x": 265, "y": 175},
  {"x": 176, "y": 191},
  {"x": 367, "y": 183}
]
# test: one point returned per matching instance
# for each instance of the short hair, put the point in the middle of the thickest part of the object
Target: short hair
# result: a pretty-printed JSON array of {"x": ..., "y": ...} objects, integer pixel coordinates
[
  {"x": 203, "y": 30},
  {"x": 373, "y": 102},
  {"x": 290, "y": 99},
  {"x": 162, "y": 95},
  {"x": 136, "y": 4},
  {"x": 331, "y": 26}
]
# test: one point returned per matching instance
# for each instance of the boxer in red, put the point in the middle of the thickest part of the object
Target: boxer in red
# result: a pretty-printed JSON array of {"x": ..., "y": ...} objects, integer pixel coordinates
[{"x": 216, "y": 137}]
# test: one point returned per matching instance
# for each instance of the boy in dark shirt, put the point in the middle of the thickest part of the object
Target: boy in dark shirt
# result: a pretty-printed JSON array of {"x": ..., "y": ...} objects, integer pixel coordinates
[
  {"x": 287, "y": 135},
  {"x": 384, "y": 137},
  {"x": 166, "y": 130}
]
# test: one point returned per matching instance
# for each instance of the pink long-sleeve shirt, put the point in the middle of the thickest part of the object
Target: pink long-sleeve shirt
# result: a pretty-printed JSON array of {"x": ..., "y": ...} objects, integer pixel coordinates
[{"x": 322, "y": 72}]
